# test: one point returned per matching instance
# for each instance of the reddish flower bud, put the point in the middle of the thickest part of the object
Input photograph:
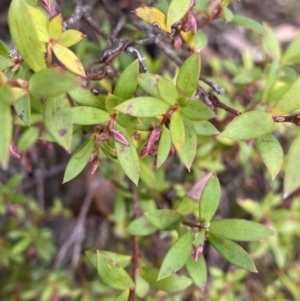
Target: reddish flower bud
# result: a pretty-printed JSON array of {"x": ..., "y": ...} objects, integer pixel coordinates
[
  {"x": 119, "y": 136},
  {"x": 191, "y": 23},
  {"x": 14, "y": 152},
  {"x": 47, "y": 6},
  {"x": 177, "y": 42},
  {"x": 197, "y": 252}
]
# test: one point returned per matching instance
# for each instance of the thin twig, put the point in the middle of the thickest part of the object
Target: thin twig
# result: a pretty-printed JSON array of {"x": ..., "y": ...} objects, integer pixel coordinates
[{"x": 78, "y": 233}]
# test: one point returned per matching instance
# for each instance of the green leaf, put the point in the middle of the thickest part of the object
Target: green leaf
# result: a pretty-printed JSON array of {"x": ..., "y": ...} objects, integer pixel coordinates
[
  {"x": 3, "y": 50},
  {"x": 209, "y": 199},
  {"x": 84, "y": 97},
  {"x": 289, "y": 102},
  {"x": 271, "y": 79},
  {"x": 68, "y": 59},
  {"x": 292, "y": 174},
  {"x": 149, "y": 83},
  {"x": 239, "y": 229},
  {"x": 40, "y": 22},
  {"x": 56, "y": 27},
  {"x": 110, "y": 272},
  {"x": 292, "y": 55},
  {"x": 58, "y": 120},
  {"x": 249, "y": 23},
  {"x": 196, "y": 110},
  {"x": 122, "y": 260},
  {"x": 249, "y": 125},
  {"x": 177, "y": 131},
  {"x": 188, "y": 153},
  {"x": 177, "y": 255},
  {"x": 164, "y": 147},
  {"x": 171, "y": 284},
  {"x": 188, "y": 75},
  {"x": 79, "y": 160},
  {"x": 164, "y": 219},
  {"x": 6, "y": 129},
  {"x": 111, "y": 102},
  {"x": 88, "y": 115},
  {"x": 205, "y": 128},
  {"x": 167, "y": 91},
  {"x": 128, "y": 157},
  {"x": 271, "y": 45},
  {"x": 123, "y": 296},
  {"x": 197, "y": 271},
  {"x": 143, "y": 107},
  {"x": 70, "y": 37},
  {"x": 23, "y": 108},
  {"x": 232, "y": 252},
  {"x": 177, "y": 10},
  {"x": 141, "y": 226},
  {"x": 5, "y": 63},
  {"x": 28, "y": 139},
  {"x": 138, "y": 123},
  {"x": 51, "y": 82},
  {"x": 24, "y": 35},
  {"x": 127, "y": 82},
  {"x": 247, "y": 76},
  {"x": 271, "y": 153}
]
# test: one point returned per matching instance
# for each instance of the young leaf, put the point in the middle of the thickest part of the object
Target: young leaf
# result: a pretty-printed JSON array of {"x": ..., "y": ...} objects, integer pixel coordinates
[
  {"x": 188, "y": 153},
  {"x": 111, "y": 102},
  {"x": 70, "y": 37},
  {"x": 271, "y": 45},
  {"x": 177, "y": 131},
  {"x": 84, "y": 97},
  {"x": 248, "y": 76},
  {"x": 249, "y": 23},
  {"x": 271, "y": 153},
  {"x": 111, "y": 273},
  {"x": 239, "y": 229},
  {"x": 6, "y": 131},
  {"x": 292, "y": 174},
  {"x": 128, "y": 157},
  {"x": 205, "y": 128},
  {"x": 88, "y": 115},
  {"x": 40, "y": 22},
  {"x": 51, "y": 82},
  {"x": 188, "y": 75},
  {"x": 23, "y": 109},
  {"x": 28, "y": 139},
  {"x": 164, "y": 219},
  {"x": 24, "y": 35},
  {"x": 68, "y": 59},
  {"x": 141, "y": 226},
  {"x": 58, "y": 120},
  {"x": 56, "y": 27},
  {"x": 249, "y": 125},
  {"x": 143, "y": 107},
  {"x": 167, "y": 91},
  {"x": 177, "y": 10},
  {"x": 177, "y": 255},
  {"x": 232, "y": 252},
  {"x": 153, "y": 16},
  {"x": 196, "y": 110},
  {"x": 149, "y": 83},
  {"x": 163, "y": 147},
  {"x": 197, "y": 271},
  {"x": 79, "y": 160},
  {"x": 289, "y": 102},
  {"x": 5, "y": 63},
  {"x": 292, "y": 55},
  {"x": 171, "y": 284},
  {"x": 209, "y": 199},
  {"x": 127, "y": 82}
]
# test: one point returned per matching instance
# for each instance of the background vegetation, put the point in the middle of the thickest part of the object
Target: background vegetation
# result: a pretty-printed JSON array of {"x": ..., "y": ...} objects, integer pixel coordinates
[{"x": 150, "y": 155}]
